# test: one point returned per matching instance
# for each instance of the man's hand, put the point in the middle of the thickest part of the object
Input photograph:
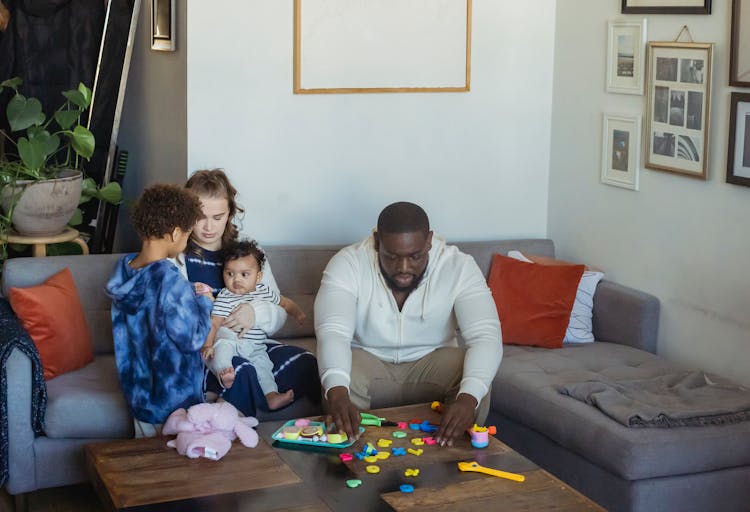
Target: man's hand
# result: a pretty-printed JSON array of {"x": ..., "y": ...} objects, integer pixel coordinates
[
  {"x": 458, "y": 417},
  {"x": 343, "y": 413},
  {"x": 241, "y": 319}
]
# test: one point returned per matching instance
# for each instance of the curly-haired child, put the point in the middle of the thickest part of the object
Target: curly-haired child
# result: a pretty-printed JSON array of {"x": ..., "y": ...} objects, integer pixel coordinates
[
  {"x": 159, "y": 323},
  {"x": 242, "y": 273}
]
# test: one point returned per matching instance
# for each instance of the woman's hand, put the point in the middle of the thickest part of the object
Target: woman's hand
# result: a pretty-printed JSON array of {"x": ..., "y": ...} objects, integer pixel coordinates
[{"x": 241, "y": 319}]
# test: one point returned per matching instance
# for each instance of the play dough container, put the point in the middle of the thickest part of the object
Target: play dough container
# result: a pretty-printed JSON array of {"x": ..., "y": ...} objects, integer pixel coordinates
[{"x": 311, "y": 434}]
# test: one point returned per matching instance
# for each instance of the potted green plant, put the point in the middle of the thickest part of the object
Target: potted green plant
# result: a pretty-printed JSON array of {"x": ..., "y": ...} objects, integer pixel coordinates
[{"x": 42, "y": 181}]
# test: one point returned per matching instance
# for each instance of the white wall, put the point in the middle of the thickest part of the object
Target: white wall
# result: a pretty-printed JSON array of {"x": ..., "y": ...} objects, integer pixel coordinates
[
  {"x": 319, "y": 168},
  {"x": 684, "y": 240}
]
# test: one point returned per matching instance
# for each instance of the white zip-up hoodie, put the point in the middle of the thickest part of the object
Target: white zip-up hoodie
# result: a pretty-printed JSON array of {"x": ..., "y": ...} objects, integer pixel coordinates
[{"x": 356, "y": 308}]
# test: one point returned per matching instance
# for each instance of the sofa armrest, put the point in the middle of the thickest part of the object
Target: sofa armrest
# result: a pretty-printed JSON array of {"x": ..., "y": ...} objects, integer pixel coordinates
[
  {"x": 626, "y": 316},
  {"x": 21, "y": 458}
]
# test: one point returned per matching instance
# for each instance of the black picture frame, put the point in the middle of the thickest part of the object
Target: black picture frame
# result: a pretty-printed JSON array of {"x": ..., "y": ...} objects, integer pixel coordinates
[
  {"x": 739, "y": 77},
  {"x": 739, "y": 126},
  {"x": 662, "y": 9}
]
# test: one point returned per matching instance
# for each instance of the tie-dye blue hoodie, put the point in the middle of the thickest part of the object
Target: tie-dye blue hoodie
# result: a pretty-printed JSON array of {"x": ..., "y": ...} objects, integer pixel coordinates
[{"x": 159, "y": 325}]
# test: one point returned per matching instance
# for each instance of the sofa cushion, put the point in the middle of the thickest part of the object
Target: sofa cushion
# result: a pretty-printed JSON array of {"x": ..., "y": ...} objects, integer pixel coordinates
[
  {"x": 52, "y": 315},
  {"x": 580, "y": 327},
  {"x": 90, "y": 273},
  {"x": 88, "y": 403},
  {"x": 526, "y": 390},
  {"x": 533, "y": 301},
  {"x": 291, "y": 329}
]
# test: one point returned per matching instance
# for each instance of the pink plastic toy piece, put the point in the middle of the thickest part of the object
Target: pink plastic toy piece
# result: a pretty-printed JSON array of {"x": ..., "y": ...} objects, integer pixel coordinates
[
  {"x": 346, "y": 457},
  {"x": 480, "y": 436},
  {"x": 480, "y": 439},
  {"x": 403, "y": 425},
  {"x": 429, "y": 440},
  {"x": 302, "y": 422}
]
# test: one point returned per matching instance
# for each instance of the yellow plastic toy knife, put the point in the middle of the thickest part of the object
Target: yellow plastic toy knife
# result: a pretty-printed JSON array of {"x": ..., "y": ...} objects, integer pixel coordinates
[{"x": 475, "y": 467}]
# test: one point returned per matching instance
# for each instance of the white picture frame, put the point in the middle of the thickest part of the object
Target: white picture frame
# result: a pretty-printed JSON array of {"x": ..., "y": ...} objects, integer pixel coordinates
[
  {"x": 621, "y": 150},
  {"x": 626, "y": 52},
  {"x": 163, "y": 25}
]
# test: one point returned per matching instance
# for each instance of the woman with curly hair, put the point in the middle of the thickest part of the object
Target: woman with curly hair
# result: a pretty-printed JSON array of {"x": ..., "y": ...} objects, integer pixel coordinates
[{"x": 294, "y": 368}]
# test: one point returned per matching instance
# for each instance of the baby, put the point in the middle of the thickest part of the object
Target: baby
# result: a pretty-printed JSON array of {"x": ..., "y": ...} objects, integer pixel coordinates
[{"x": 243, "y": 265}]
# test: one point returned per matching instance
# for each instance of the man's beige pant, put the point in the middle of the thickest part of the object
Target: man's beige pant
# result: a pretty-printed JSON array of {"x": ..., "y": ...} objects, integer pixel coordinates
[{"x": 437, "y": 376}]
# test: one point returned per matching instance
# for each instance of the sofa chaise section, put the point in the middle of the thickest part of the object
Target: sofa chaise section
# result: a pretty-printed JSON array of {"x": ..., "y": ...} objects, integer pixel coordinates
[{"x": 623, "y": 468}]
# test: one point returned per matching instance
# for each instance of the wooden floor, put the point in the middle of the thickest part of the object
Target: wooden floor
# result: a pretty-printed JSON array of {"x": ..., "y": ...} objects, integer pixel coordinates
[{"x": 74, "y": 498}]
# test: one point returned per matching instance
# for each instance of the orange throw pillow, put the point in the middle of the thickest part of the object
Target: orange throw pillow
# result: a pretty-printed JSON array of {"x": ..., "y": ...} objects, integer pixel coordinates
[
  {"x": 52, "y": 315},
  {"x": 533, "y": 301}
]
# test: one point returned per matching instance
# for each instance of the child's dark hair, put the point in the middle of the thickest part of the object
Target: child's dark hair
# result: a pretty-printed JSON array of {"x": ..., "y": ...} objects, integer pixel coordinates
[
  {"x": 162, "y": 208},
  {"x": 242, "y": 248}
]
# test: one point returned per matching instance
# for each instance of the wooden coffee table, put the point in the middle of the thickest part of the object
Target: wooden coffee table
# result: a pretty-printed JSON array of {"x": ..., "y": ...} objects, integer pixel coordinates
[
  {"x": 136, "y": 472},
  {"x": 144, "y": 475}
]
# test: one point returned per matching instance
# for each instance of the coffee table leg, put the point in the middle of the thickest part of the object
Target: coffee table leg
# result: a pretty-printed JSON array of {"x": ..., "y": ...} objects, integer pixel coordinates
[
  {"x": 98, "y": 485},
  {"x": 21, "y": 502}
]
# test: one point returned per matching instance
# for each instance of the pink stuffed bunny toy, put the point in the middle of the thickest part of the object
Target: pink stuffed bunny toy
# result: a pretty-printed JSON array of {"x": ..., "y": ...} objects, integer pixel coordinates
[{"x": 207, "y": 430}]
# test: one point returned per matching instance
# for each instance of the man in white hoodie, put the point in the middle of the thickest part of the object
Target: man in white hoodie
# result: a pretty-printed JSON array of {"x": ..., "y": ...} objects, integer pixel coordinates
[{"x": 386, "y": 316}]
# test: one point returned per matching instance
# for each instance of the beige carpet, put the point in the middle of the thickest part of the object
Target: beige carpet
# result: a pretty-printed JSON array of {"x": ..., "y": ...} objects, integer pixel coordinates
[{"x": 74, "y": 498}]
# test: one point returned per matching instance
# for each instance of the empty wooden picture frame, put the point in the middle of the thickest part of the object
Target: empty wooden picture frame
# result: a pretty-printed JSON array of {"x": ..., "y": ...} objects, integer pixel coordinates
[
  {"x": 739, "y": 44},
  {"x": 342, "y": 46},
  {"x": 679, "y": 93},
  {"x": 626, "y": 51},
  {"x": 621, "y": 149},
  {"x": 738, "y": 148},
  {"x": 163, "y": 25}
]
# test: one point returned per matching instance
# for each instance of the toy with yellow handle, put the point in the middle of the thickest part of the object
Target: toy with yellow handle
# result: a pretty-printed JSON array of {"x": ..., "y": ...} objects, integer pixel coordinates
[{"x": 476, "y": 468}]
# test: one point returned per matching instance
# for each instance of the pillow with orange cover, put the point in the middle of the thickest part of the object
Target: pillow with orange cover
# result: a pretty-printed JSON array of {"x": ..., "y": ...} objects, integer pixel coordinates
[
  {"x": 533, "y": 301},
  {"x": 580, "y": 328},
  {"x": 52, "y": 315}
]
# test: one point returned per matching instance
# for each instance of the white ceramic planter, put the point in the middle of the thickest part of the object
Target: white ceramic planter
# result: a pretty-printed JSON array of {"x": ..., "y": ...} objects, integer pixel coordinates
[{"x": 44, "y": 207}]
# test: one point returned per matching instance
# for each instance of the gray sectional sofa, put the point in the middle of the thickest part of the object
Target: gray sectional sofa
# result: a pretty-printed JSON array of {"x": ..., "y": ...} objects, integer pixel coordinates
[{"x": 624, "y": 469}]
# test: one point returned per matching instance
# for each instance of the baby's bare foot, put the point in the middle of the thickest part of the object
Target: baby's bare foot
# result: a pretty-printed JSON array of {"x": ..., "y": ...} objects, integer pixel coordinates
[
  {"x": 278, "y": 400},
  {"x": 227, "y": 377}
]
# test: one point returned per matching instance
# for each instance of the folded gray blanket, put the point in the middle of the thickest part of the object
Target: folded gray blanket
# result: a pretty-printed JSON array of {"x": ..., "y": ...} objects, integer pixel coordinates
[{"x": 681, "y": 399}]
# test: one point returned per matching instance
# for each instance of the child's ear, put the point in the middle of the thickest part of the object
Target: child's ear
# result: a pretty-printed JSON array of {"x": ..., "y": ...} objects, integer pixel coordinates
[
  {"x": 176, "y": 232},
  {"x": 260, "y": 276}
]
